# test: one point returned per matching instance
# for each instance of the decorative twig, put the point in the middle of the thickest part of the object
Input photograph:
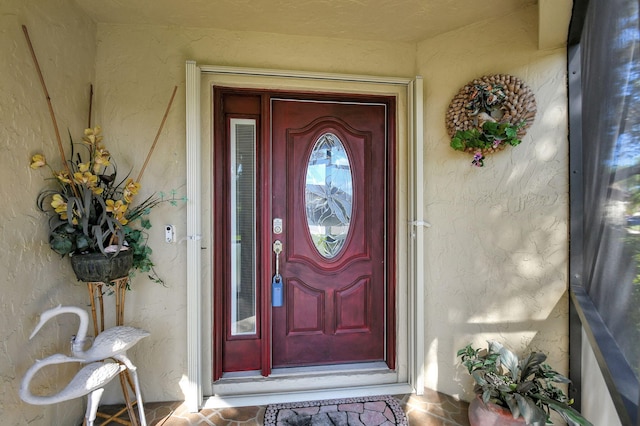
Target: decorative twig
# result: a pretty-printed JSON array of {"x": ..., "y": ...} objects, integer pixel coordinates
[
  {"x": 90, "y": 105},
  {"x": 144, "y": 166},
  {"x": 51, "y": 113}
]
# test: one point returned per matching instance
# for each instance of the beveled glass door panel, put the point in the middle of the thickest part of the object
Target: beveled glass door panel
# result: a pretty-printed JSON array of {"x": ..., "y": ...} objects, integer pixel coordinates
[{"x": 328, "y": 195}]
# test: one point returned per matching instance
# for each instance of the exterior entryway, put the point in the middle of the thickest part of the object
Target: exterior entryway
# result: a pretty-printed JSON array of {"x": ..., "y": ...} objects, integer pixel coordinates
[
  {"x": 304, "y": 210},
  {"x": 229, "y": 333}
]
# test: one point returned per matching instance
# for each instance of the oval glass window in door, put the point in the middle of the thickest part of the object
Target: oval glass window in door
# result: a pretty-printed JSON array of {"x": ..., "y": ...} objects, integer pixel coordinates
[{"x": 328, "y": 195}]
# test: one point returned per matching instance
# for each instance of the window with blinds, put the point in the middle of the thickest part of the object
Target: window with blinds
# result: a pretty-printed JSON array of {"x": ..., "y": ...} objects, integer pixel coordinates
[{"x": 243, "y": 226}]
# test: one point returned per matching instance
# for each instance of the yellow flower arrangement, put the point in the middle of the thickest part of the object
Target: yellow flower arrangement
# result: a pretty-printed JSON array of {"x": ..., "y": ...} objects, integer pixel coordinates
[{"x": 90, "y": 210}]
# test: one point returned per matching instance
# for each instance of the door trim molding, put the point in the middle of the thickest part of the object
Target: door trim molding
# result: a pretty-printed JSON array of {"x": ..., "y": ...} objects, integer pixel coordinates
[
  {"x": 193, "y": 382},
  {"x": 193, "y": 386}
]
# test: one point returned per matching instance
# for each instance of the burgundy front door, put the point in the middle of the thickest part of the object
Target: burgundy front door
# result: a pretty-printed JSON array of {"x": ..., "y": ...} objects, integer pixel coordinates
[{"x": 330, "y": 192}]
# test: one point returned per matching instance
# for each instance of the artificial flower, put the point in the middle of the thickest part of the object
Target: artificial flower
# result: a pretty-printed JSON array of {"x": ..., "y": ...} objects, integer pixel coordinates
[
  {"x": 92, "y": 135},
  {"x": 100, "y": 159},
  {"x": 478, "y": 159},
  {"x": 131, "y": 188},
  {"x": 38, "y": 161}
]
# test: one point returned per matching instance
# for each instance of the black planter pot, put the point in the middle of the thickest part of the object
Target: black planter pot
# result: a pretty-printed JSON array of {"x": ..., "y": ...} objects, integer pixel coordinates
[{"x": 97, "y": 267}]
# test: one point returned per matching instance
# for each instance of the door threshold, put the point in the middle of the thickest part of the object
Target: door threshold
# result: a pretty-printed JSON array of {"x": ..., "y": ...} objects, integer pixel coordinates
[
  {"x": 222, "y": 401},
  {"x": 333, "y": 369},
  {"x": 308, "y": 381},
  {"x": 312, "y": 370}
]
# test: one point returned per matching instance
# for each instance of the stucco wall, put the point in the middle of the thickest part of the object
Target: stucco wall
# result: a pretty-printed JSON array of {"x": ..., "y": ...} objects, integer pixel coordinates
[
  {"x": 32, "y": 278},
  {"x": 496, "y": 254}
]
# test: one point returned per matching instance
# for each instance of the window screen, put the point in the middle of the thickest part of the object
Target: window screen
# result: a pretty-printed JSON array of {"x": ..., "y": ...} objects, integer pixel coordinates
[{"x": 605, "y": 152}]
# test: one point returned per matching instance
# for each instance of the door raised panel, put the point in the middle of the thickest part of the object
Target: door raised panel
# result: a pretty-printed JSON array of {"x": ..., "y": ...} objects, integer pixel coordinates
[
  {"x": 306, "y": 309},
  {"x": 353, "y": 307}
]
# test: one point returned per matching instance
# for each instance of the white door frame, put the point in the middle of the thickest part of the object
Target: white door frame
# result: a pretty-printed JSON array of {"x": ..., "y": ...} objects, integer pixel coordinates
[{"x": 199, "y": 295}]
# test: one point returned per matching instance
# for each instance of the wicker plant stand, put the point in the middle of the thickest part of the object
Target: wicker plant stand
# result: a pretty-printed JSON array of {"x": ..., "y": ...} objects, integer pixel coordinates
[{"x": 96, "y": 292}]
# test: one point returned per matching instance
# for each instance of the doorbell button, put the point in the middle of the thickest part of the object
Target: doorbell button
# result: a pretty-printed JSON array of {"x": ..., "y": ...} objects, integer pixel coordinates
[{"x": 169, "y": 234}]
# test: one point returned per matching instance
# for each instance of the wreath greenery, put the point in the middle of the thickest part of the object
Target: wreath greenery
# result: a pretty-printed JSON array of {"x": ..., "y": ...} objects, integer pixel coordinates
[{"x": 488, "y": 114}]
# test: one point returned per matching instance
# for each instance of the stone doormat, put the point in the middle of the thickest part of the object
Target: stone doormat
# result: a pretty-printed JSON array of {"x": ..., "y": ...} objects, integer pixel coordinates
[{"x": 367, "y": 411}]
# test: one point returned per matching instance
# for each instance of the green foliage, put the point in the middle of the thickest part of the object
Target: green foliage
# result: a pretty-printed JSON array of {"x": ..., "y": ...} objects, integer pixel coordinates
[
  {"x": 86, "y": 225},
  {"x": 493, "y": 134},
  {"x": 526, "y": 387},
  {"x": 137, "y": 241}
]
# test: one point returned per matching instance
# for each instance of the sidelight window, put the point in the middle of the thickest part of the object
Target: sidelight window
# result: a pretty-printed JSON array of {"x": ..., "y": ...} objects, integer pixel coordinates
[{"x": 243, "y": 226}]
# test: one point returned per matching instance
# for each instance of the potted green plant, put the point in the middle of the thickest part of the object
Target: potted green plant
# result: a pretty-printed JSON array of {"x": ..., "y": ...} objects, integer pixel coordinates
[
  {"x": 92, "y": 215},
  {"x": 525, "y": 388}
]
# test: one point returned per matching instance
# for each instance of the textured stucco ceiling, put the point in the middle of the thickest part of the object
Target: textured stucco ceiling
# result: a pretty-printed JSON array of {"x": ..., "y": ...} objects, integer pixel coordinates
[{"x": 384, "y": 20}]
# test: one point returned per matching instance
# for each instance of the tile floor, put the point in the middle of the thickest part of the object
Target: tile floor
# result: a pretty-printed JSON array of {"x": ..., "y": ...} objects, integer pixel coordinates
[{"x": 430, "y": 409}]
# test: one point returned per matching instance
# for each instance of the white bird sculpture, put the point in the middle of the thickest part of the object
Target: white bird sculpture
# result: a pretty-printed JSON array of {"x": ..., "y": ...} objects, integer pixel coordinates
[
  {"x": 111, "y": 343},
  {"x": 90, "y": 380}
]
